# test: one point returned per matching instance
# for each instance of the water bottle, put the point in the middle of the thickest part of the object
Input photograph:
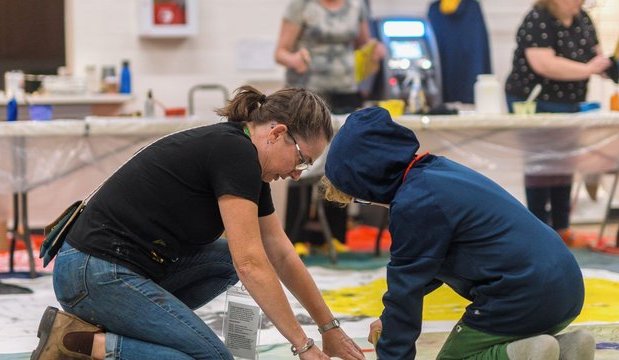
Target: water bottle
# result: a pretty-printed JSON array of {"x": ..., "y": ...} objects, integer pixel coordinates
[
  {"x": 11, "y": 109},
  {"x": 488, "y": 92},
  {"x": 149, "y": 105},
  {"x": 125, "y": 78}
]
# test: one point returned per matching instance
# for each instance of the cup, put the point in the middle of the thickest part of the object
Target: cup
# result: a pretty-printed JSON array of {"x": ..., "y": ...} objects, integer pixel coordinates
[
  {"x": 394, "y": 106},
  {"x": 524, "y": 107}
]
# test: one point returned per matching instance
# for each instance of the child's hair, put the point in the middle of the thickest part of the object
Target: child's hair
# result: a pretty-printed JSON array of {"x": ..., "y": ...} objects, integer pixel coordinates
[
  {"x": 302, "y": 111},
  {"x": 332, "y": 193}
]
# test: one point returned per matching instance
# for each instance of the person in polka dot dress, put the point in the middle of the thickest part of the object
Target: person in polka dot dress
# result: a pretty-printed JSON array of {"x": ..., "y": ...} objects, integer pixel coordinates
[{"x": 558, "y": 48}]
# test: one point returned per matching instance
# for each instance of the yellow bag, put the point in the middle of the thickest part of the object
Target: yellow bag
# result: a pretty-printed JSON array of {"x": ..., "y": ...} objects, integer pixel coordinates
[{"x": 364, "y": 65}]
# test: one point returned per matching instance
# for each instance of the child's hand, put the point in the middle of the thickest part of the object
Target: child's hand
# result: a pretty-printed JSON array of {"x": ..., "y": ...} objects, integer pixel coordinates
[{"x": 376, "y": 328}]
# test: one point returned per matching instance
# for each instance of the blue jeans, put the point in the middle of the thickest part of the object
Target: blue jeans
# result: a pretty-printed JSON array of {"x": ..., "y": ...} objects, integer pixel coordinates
[{"x": 144, "y": 319}]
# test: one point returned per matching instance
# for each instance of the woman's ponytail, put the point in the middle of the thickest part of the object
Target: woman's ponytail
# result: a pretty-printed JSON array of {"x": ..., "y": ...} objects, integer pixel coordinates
[{"x": 243, "y": 105}]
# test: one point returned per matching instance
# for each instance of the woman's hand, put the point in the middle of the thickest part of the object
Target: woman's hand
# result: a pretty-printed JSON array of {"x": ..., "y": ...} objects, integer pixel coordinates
[
  {"x": 379, "y": 52},
  {"x": 599, "y": 64},
  {"x": 300, "y": 61},
  {"x": 376, "y": 328},
  {"x": 313, "y": 353},
  {"x": 336, "y": 343}
]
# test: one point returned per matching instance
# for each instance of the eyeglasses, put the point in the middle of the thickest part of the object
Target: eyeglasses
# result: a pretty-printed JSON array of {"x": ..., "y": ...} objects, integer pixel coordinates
[
  {"x": 304, "y": 164},
  {"x": 362, "y": 202}
]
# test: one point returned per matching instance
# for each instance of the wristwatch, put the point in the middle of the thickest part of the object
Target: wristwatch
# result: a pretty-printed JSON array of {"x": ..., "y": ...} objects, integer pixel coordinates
[{"x": 335, "y": 323}]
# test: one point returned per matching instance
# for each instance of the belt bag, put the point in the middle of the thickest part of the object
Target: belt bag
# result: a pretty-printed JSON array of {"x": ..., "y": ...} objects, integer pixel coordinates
[{"x": 56, "y": 232}]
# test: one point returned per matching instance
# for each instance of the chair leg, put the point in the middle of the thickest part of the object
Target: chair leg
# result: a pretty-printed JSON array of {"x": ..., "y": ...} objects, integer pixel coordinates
[
  {"x": 326, "y": 229},
  {"x": 611, "y": 195}
]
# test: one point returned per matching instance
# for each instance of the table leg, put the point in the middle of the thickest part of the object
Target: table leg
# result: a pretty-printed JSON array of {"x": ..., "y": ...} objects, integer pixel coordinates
[
  {"x": 14, "y": 232},
  {"x": 20, "y": 217}
]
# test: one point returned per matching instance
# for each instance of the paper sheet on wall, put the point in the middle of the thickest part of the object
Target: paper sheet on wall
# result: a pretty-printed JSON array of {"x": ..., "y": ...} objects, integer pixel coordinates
[{"x": 255, "y": 54}]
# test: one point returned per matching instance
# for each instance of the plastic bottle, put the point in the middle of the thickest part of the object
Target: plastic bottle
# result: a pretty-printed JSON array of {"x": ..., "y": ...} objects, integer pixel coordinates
[
  {"x": 614, "y": 101},
  {"x": 92, "y": 82},
  {"x": 125, "y": 78},
  {"x": 487, "y": 94},
  {"x": 149, "y": 105},
  {"x": 11, "y": 110}
]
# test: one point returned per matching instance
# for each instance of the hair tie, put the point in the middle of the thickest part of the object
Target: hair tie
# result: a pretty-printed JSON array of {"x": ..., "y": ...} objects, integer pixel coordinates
[{"x": 261, "y": 100}]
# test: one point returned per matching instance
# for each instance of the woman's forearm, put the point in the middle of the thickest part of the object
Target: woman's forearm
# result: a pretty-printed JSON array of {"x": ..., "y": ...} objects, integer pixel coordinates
[
  {"x": 546, "y": 63},
  {"x": 284, "y": 57},
  {"x": 562, "y": 69},
  {"x": 262, "y": 283},
  {"x": 254, "y": 268},
  {"x": 297, "y": 279}
]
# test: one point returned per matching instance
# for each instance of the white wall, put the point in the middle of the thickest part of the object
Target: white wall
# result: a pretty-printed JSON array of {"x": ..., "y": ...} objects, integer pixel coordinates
[{"x": 105, "y": 32}]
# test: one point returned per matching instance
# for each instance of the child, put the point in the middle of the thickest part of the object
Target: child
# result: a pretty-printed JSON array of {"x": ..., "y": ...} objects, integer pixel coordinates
[{"x": 452, "y": 225}]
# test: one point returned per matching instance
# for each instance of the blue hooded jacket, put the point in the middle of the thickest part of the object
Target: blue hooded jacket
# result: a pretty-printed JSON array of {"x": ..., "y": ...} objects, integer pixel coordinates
[{"x": 452, "y": 225}]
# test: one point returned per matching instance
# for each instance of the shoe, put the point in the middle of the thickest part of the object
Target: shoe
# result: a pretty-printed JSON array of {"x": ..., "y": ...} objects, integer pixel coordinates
[
  {"x": 541, "y": 347},
  {"x": 338, "y": 246},
  {"x": 301, "y": 249},
  {"x": 576, "y": 345},
  {"x": 572, "y": 240},
  {"x": 54, "y": 326}
]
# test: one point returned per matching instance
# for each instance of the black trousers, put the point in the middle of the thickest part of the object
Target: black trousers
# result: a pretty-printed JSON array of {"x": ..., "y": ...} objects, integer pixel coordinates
[{"x": 558, "y": 197}]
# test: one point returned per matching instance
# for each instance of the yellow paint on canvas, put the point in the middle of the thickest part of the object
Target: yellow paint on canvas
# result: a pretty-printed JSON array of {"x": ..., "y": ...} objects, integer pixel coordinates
[{"x": 601, "y": 301}]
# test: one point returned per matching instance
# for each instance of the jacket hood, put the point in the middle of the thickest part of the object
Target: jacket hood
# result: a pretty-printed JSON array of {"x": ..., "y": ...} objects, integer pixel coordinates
[{"x": 369, "y": 154}]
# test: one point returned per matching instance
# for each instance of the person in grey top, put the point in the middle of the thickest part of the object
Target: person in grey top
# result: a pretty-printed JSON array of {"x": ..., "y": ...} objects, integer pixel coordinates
[{"x": 316, "y": 44}]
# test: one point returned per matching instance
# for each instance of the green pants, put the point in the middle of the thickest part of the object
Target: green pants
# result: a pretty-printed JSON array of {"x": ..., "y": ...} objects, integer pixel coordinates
[{"x": 467, "y": 343}]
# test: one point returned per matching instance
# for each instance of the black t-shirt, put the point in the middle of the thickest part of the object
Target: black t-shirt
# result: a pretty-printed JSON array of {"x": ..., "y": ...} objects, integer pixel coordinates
[
  {"x": 162, "y": 204},
  {"x": 541, "y": 29}
]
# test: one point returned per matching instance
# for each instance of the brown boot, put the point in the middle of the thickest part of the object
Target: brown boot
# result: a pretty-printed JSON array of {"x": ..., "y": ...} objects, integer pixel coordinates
[{"x": 54, "y": 326}]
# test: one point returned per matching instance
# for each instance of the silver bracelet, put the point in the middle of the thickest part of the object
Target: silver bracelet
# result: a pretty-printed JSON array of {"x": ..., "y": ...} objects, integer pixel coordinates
[{"x": 308, "y": 345}]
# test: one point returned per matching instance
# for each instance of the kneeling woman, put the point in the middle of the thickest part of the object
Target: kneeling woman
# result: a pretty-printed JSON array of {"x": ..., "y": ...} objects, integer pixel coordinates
[{"x": 147, "y": 250}]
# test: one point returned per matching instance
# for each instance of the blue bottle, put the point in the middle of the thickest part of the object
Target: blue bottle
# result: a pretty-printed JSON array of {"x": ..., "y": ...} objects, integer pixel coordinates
[
  {"x": 125, "y": 78},
  {"x": 11, "y": 110}
]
